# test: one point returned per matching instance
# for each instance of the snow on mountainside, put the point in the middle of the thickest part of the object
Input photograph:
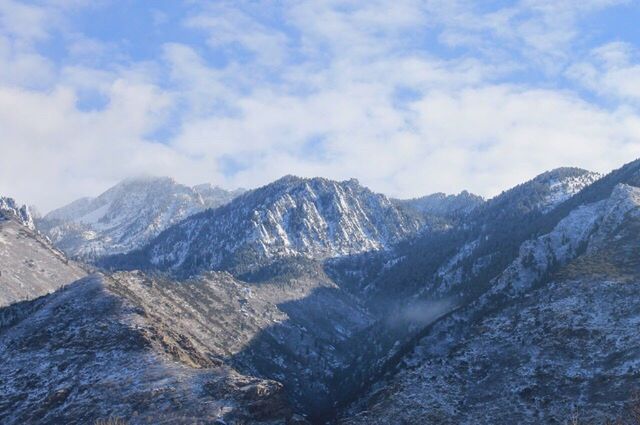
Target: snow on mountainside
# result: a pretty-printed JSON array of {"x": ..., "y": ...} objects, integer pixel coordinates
[
  {"x": 554, "y": 334},
  {"x": 314, "y": 218},
  {"x": 126, "y": 216},
  {"x": 480, "y": 245},
  {"x": 294, "y": 329},
  {"x": 543, "y": 193},
  {"x": 214, "y": 196},
  {"x": 588, "y": 225},
  {"x": 563, "y": 183},
  {"x": 338, "y": 293},
  {"x": 29, "y": 265}
]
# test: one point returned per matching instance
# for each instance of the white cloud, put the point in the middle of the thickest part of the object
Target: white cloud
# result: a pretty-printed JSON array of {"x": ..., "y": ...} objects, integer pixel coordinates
[
  {"x": 611, "y": 70},
  {"x": 352, "y": 29},
  {"x": 229, "y": 26},
  {"x": 542, "y": 31},
  {"x": 25, "y": 22},
  {"x": 337, "y": 88},
  {"x": 51, "y": 148},
  {"x": 24, "y": 68},
  {"x": 483, "y": 139}
]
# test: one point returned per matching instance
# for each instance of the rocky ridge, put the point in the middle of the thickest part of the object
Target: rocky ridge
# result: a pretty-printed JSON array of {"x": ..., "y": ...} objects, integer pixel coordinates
[
  {"x": 9, "y": 209},
  {"x": 364, "y": 309},
  {"x": 441, "y": 204}
]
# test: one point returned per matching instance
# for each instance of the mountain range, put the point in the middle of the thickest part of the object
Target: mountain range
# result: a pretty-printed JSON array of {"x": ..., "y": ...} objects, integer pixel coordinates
[
  {"x": 291, "y": 217},
  {"x": 318, "y": 301}
]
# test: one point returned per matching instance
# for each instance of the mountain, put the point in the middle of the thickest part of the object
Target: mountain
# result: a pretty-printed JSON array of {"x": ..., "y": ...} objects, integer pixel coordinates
[
  {"x": 214, "y": 196},
  {"x": 29, "y": 265},
  {"x": 292, "y": 217},
  {"x": 273, "y": 241},
  {"x": 440, "y": 204},
  {"x": 280, "y": 234},
  {"x": 558, "y": 185},
  {"x": 552, "y": 332},
  {"x": 101, "y": 349},
  {"x": 436, "y": 272},
  {"x": 126, "y": 216},
  {"x": 322, "y": 297}
]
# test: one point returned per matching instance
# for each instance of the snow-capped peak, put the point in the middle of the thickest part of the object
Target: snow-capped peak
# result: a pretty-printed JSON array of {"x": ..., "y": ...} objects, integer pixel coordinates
[{"x": 127, "y": 215}]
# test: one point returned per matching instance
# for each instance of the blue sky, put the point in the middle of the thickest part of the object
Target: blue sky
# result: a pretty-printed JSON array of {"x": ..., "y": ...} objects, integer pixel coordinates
[{"x": 410, "y": 97}]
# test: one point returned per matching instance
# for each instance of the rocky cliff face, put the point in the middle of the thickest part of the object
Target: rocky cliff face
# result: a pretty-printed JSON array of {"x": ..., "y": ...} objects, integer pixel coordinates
[
  {"x": 10, "y": 210},
  {"x": 126, "y": 216}
]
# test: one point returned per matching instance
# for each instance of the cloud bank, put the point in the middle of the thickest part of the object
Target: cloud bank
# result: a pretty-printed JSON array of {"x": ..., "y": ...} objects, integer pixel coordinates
[{"x": 410, "y": 97}]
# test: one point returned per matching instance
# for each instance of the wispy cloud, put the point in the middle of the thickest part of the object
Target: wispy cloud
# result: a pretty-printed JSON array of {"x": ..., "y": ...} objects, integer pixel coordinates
[
  {"x": 611, "y": 70},
  {"x": 227, "y": 26}
]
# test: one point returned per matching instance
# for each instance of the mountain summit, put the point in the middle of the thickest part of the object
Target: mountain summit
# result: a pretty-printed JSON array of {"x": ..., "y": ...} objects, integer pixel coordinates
[
  {"x": 127, "y": 216},
  {"x": 553, "y": 331}
]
